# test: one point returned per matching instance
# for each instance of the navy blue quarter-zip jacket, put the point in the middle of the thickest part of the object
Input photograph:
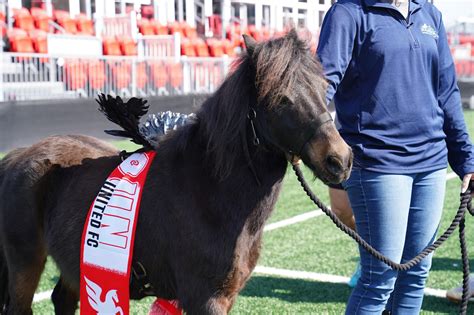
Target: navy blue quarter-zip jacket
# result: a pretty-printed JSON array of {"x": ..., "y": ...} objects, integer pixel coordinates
[{"x": 394, "y": 85}]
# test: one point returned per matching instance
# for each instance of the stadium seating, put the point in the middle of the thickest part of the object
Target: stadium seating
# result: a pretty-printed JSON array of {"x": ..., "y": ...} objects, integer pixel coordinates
[
  {"x": 128, "y": 46},
  {"x": 23, "y": 19},
  {"x": 159, "y": 74},
  {"x": 76, "y": 74},
  {"x": 141, "y": 73},
  {"x": 96, "y": 74},
  {"x": 216, "y": 47},
  {"x": 121, "y": 75},
  {"x": 41, "y": 19},
  {"x": 19, "y": 41},
  {"x": 187, "y": 48},
  {"x": 229, "y": 48},
  {"x": 465, "y": 39},
  {"x": 200, "y": 47},
  {"x": 40, "y": 40},
  {"x": 84, "y": 25},
  {"x": 160, "y": 29},
  {"x": 146, "y": 27},
  {"x": 111, "y": 46}
]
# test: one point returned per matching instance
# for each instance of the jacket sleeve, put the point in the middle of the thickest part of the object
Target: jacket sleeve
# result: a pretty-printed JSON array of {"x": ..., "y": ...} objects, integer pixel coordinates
[
  {"x": 336, "y": 42},
  {"x": 460, "y": 149}
]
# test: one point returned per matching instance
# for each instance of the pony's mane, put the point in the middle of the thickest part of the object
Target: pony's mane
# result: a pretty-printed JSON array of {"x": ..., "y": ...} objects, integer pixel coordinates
[
  {"x": 280, "y": 64},
  {"x": 283, "y": 62},
  {"x": 261, "y": 78}
]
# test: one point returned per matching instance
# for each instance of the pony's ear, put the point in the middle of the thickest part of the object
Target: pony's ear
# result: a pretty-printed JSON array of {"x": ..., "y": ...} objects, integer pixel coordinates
[
  {"x": 292, "y": 33},
  {"x": 250, "y": 44}
]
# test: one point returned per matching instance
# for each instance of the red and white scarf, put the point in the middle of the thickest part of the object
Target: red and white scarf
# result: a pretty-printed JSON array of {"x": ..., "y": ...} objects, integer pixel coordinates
[{"x": 108, "y": 238}]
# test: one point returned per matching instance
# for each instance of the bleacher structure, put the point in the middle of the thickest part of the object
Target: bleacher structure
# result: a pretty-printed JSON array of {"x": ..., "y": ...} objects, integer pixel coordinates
[{"x": 145, "y": 47}]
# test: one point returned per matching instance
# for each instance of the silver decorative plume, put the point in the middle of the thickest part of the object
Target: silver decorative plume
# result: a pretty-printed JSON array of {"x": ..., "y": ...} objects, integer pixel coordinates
[{"x": 157, "y": 125}]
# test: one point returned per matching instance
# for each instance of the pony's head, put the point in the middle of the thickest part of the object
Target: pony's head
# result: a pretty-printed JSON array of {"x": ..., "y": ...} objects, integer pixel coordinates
[
  {"x": 290, "y": 94},
  {"x": 277, "y": 89}
]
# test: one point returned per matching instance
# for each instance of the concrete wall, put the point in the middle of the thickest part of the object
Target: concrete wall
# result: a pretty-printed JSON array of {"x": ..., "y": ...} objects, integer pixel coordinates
[{"x": 24, "y": 123}]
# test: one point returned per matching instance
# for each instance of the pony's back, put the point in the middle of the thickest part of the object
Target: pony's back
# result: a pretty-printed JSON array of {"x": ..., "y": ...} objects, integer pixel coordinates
[{"x": 21, "y": 174}]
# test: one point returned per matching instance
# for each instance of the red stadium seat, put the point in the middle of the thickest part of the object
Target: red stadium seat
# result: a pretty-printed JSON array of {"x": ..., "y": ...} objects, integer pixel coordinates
[
  {"x": 76, "y": 75},
  {"x": 146, "y": 27},
  {"x": 176, "y": 74},
  {"x": 160, "y": 29},
  {"x": 465, "y": 39},
  {"x": 23, "y": 19},
  {"x": 175, "y": 27},
  {"x": 200, "y": 47},
  {"x": 216, "y": 47},
  {"x": 40, "y": 41},
  {"x": 187, "y": 48},
  {"x": 41, "y": 19},
  {"x": 159, "y": 74},
  {"x": 111, "y": 46},
  {"x": 84, "y": 25},
  {"x": 188, "y": 31},
  {"x": 60, "y": 14},
  {"x": 96, "y": 74},
  {"x": 128, "y": 46},
  {"x": 20, "y": 41},
  {"x": 141, "y": 75},
  {"x": 68, "y": 24},
  {"x": 121, "y": 75},
  {"x": 229, "y": 48}
]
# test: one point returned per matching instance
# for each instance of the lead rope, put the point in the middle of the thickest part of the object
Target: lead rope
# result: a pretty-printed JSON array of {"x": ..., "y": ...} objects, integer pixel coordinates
[{"x": 465, "y": 204}]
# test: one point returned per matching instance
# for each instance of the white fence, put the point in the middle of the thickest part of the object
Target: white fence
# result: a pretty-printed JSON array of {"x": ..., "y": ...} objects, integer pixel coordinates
[
  {"x": 159, "y": 45},
  {"x": 37, "y": 76}
]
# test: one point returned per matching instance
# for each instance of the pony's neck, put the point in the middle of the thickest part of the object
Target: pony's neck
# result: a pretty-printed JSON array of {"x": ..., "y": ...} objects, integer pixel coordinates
[{"x": 224, "y": 128}]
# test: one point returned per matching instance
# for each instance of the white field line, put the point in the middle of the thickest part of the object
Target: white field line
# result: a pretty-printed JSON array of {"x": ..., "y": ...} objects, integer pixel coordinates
[
  {"x": 42, "y": 296},
  {"x": 296, "y": 219},
  {"x": 451, "y": 175},
  {"x": 293, "y": 220},
  {"x": 321, "y": 277}
]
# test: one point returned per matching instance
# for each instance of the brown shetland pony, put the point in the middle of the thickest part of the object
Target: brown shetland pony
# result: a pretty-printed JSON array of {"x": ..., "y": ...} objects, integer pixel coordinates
[{"x": 208, "y": 193}]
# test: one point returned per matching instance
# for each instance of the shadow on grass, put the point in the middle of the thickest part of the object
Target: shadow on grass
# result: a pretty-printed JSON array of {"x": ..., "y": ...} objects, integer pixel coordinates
[
  {"x": 447, "y": 264},
  {"x": 295, "y": 290}
]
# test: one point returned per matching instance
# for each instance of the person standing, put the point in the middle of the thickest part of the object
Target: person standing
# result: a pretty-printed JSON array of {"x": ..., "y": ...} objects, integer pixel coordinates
[{"x": 392, "y": 78}]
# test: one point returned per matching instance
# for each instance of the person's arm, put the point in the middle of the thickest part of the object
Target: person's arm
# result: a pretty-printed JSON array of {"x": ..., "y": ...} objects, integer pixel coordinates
[
  {"x": 336, "y": 42},
  {"x": 460, "y": 149}
]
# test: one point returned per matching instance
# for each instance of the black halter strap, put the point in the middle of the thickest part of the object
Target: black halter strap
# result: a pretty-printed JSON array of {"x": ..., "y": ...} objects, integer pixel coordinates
[{"x": 252, "y": 116}]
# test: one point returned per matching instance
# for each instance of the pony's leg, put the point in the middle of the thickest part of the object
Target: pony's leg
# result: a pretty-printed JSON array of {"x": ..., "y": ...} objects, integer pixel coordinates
[
  {"x": 64, "y": 299},
  {"x": 218, "y": 305},
  {"x": 23, "y": 279}
]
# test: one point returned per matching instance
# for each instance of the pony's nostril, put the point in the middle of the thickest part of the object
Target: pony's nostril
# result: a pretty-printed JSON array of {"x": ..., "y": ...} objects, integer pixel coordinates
[{"x": 334, "y": 165}]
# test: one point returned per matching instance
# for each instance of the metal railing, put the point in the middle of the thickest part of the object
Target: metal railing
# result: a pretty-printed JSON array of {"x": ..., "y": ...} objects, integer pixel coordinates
[
  {"x": 46, "y": 76},
  {"x": 41, "y": 76},
  {"x": 159, "y": 45}
]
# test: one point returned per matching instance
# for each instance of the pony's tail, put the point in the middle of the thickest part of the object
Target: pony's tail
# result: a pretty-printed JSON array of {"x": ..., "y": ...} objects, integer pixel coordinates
[{"x": 126, "y": 115}]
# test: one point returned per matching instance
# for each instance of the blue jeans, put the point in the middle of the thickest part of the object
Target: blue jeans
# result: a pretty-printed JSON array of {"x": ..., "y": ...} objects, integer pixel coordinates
[{"x": 399, "y": 216}]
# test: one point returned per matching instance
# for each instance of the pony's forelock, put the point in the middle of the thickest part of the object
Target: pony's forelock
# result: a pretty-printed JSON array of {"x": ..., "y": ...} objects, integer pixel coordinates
[{"x": 279, "y": 67}]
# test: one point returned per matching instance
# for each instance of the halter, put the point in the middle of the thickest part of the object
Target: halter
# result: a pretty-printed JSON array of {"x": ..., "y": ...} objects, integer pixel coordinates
[{"x": 290, "y": 153}]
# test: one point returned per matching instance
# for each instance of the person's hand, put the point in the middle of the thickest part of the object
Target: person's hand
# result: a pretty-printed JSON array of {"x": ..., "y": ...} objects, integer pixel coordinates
[{"x": 465, "y": 183}]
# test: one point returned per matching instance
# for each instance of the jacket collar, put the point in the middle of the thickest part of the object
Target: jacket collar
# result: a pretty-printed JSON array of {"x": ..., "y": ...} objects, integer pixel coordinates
[{"x": 414, "y": 4}]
